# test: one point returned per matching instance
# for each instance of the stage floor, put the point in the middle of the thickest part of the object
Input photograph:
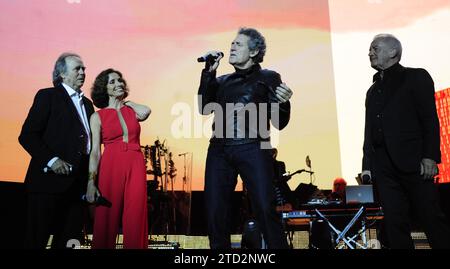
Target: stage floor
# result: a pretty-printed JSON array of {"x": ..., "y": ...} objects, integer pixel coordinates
[{"x": 299, "y": 239}]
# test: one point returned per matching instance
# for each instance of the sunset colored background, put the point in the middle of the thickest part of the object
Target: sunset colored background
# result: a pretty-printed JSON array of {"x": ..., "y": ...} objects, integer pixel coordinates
[{"x": 319, "y": 47}]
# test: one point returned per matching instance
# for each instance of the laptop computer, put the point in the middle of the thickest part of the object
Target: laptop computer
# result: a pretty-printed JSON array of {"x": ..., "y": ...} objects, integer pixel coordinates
[{"x": 361, "y": 194}]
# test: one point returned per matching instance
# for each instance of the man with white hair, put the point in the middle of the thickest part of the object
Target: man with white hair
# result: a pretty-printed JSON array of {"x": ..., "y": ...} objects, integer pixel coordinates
[
  {"x": 56, "y": 134},
  {"x": 401, "y": 146}
]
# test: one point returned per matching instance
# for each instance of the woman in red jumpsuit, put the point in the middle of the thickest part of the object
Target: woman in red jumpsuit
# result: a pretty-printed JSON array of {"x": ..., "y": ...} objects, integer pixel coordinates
[{"x": 120, "y": 170}]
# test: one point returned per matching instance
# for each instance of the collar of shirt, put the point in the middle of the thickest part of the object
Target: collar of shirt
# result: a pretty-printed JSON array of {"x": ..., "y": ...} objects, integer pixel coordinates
[
  {"x": 388, "y": 73},
  {"x": 248, "y": 71},
  {"x": 71, "y": 92}
]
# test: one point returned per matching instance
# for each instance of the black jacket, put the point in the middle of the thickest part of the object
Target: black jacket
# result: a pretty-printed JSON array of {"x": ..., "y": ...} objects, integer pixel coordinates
[
  {"x": 408, "y": 121},
  {"x": 252, "y": 93},
  {"x": 53, "y": 129}
]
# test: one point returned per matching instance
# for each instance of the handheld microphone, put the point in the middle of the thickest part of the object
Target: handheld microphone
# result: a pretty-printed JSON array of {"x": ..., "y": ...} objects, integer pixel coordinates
[
  {"x": 181, "y": 154},
  {"x": 366, "y": 180},
  {"x": 209, "y": 58},
  {"x": 99, "y": 201}
]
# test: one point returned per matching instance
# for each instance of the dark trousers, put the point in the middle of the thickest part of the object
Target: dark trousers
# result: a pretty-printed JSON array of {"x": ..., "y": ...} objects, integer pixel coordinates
[
  {"x": 255, "y": 166},
  {"x": 53, "y": 214},
  {"x": 403, "y": 195},
  {"x": 60, "y": 214}
]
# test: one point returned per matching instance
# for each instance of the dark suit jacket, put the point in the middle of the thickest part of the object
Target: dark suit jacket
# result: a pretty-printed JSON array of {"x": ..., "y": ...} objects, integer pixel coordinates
[
  {"x": 409, "y": 120},
  {"x": 53, "y": 129}
]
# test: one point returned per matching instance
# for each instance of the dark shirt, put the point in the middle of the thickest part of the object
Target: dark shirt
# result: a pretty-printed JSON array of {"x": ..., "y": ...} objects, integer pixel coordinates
[
  {"x": 383, "y": 85},
  {"x": 254, "y": 90}
]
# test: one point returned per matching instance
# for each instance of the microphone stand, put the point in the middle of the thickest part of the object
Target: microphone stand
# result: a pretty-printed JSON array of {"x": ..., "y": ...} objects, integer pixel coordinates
[
  {"x": 184, "y": 168},
  {"x": 187, "y": 191}
]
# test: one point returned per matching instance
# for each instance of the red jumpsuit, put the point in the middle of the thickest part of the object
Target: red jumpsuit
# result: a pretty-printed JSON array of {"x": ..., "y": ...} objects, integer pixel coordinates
[{"x": 121, "y": 180}]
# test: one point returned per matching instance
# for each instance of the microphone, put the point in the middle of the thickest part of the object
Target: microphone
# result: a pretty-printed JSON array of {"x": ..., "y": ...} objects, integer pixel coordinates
[
  {"x": 366, "y": 180},
  {"x": 99, "y": 201},
  {"x": 181, "y": 154},
  {"x": 209, "y": 58}
]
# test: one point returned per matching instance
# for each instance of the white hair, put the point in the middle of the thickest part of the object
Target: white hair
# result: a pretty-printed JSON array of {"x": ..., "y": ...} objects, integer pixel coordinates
[{"x": 393, "y": 42}]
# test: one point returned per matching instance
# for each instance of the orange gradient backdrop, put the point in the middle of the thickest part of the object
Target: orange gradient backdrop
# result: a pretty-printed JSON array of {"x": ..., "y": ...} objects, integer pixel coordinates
[
  {"x": 155, "y": 44},
  {"x": 319, "y": 47}
]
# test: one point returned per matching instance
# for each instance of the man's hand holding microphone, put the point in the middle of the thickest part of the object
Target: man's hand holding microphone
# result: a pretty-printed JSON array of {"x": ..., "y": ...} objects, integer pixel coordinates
[
  {"x": 60, "y": 167},
  {"x": 211, "y": 60}
]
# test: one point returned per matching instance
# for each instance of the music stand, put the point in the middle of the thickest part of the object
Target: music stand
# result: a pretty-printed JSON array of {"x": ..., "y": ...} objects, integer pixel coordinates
[{"x": 342, "y": 235}]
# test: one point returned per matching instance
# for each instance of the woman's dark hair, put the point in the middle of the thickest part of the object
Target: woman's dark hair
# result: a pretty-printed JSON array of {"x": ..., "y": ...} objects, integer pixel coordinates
[{"x": 99, "y": 93}]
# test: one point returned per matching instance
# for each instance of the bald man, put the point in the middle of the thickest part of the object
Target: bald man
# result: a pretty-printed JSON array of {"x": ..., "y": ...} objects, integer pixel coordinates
[{"x": 401, "y": 146}]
